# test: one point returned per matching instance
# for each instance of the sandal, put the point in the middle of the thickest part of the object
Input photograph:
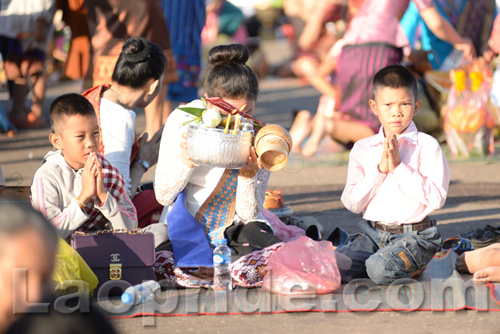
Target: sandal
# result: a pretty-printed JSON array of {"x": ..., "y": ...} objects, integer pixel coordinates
[
  {"x": 481, "y": 237},
  {"x": 338, "y": 237},
  {"x": 494, "y": 229},
  {"x": 458, "y": 244}
]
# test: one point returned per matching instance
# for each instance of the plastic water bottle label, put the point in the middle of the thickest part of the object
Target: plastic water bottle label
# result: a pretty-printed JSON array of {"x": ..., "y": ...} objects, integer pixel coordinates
[{"x": 218, "y": 259}]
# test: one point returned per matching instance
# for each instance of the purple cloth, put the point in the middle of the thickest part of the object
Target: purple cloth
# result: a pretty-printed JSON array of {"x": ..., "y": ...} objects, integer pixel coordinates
[{"x": 357, "y": 67}]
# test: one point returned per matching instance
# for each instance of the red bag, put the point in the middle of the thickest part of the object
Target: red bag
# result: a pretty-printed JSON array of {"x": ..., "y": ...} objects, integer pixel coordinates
[
  {"x": 148, "y": 209},
  {"x": 303, "y": 267}
]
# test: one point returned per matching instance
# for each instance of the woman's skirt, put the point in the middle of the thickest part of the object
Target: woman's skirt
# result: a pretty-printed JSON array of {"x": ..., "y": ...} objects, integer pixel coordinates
[{"x": 357, "y": 66}]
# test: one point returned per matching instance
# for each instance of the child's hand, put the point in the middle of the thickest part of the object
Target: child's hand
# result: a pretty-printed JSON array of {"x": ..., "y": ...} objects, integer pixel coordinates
[
  {"x": 393, "y": 152},
  {"x": 88, "y": 179},
  {"x": 383, "y": 166},
  {"x": 100, "y": 190}
]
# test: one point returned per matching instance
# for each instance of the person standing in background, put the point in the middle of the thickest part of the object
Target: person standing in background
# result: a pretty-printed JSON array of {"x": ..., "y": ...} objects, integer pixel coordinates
[
  {"x": 25, "y": 31},
  {"x": 186, "y": 45},
  {"x": 75, "y": 16},
  {"x": 111, "y": 23},
  {"x": 472, "y": 19}
]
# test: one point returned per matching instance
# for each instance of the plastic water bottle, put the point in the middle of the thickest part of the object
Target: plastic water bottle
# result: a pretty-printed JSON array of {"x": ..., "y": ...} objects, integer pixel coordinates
[
  {"x": 223, "y": 282},
  {"x": 140, "y": 293}
]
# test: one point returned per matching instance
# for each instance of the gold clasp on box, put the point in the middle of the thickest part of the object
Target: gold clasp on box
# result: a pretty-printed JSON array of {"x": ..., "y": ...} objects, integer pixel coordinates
[{"x": 115, "y": 271}]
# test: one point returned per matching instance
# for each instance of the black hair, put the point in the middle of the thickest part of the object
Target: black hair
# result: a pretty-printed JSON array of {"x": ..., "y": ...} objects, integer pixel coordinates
[
  {"x": 394, "y": 76},
  {"x": 17, "y": 217},
  {"x": 139, "y": 61},
  {"x": 228, "y": 75},
  {"x": 68, "y": 105}
]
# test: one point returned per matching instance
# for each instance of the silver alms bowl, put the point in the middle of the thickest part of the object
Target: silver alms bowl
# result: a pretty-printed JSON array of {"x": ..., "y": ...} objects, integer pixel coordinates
[{"x": 212, "y": 147}]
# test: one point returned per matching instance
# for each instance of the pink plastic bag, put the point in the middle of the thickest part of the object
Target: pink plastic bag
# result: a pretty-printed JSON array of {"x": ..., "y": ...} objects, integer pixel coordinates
[
  {"x": 468, "y": 119},
  {"x": 303, "y": 267},
  {"x": 281, "y": 230}
]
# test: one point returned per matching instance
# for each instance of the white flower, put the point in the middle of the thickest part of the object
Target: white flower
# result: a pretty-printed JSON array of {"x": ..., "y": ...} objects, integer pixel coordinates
[{"x": 211, "y": 118}]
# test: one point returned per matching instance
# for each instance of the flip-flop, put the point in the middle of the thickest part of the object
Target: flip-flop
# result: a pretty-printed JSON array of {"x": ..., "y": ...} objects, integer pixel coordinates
[
  {"x": 492, "y": 228},
  {"x": 477, "y": 233},
  {"x": 481, "y": 237},
  {"x": 458, "y": 244}
]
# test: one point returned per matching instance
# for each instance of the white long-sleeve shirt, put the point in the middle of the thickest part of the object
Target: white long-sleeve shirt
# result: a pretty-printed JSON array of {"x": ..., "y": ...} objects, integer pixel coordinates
[
  {"x": 173, "y": 176},
  {"x": 54, "y": 190},
  {"x": 417, "y": 187},
  {"x": 118, "y": 136}
]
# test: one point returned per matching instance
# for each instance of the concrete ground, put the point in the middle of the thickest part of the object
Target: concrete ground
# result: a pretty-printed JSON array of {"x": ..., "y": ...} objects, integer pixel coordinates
[{"x": 312, "y": 187}]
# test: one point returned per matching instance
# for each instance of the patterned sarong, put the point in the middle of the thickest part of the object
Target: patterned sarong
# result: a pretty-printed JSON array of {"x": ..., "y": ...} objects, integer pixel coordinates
[
  {"x": 191, "y": 236},
  {"x": 217, "y": 212}
]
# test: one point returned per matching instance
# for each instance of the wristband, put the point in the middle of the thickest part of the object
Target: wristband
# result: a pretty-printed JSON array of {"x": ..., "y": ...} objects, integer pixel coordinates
[
  {"x": 80, "y": 203},
  {"x": 144, "y": 163}
]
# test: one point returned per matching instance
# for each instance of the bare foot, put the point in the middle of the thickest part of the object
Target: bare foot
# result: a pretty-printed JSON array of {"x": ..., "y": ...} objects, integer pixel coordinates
[
  {"x": 300, "y": 129},
  {"x": 469, "y": 262},
  {"x": 331, "y": 146},
  {"x": 310, "y": 147},
  {"x": 317, "y": 133},
  {"x": 30, "y": 122},
  {"x": 488, "y": 274}
]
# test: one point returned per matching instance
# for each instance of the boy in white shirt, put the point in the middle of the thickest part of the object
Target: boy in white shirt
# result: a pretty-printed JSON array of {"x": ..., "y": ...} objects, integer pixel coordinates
[
  {"x": 76, "y": 188},
  {"x": 395, "y": 178}
]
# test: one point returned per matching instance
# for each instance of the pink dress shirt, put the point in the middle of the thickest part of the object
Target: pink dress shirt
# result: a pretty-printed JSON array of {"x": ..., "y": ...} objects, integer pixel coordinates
[
  {"x": 417, "y": 187},
  {"x": 378, "y": 21}
]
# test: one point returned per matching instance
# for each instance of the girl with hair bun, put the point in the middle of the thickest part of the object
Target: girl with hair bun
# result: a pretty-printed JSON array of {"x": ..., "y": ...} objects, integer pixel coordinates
[
  {"x": 180, "y": 182},
  {"x": 136, "y": 80}
]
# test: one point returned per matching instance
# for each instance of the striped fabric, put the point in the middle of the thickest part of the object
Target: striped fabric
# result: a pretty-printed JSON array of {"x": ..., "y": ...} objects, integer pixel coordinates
[
  {"x": 357, "y": 65},
  {"x": 440, "y": 288},
  {"x": 185, "y": 21}
]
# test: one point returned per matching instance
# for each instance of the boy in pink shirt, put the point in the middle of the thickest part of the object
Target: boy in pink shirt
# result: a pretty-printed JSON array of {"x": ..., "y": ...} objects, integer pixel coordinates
[{"x": 395, "y": 179}]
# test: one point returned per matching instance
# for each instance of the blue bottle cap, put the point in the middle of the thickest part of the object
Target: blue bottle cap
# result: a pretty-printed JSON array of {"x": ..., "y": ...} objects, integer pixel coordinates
[{"x": 127, "y": 298}]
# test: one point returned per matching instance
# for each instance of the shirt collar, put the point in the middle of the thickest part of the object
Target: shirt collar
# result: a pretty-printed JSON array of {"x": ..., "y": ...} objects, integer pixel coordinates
[{"x": 410, "y": 135}]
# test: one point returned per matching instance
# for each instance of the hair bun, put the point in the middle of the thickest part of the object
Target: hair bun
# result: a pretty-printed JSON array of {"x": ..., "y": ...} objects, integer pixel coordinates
[
  {"x": 231, "y": 53},
  {"x": 136, "y": 50}
]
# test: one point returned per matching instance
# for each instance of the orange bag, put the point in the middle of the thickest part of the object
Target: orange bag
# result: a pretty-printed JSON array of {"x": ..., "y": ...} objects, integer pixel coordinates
[{"x": 468, "y": 120}]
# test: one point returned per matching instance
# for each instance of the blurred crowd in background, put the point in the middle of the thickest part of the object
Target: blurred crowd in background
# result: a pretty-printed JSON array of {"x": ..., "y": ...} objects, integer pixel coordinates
[{"x": 48, "y": 41}]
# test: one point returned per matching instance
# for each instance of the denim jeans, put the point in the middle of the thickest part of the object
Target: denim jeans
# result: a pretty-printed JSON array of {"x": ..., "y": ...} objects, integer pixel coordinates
[{"x": 385, "y": 257}]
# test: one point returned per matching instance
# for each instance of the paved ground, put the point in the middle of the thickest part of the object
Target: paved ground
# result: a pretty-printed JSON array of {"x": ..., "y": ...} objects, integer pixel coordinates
[{"x": 312, "y": 187}]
